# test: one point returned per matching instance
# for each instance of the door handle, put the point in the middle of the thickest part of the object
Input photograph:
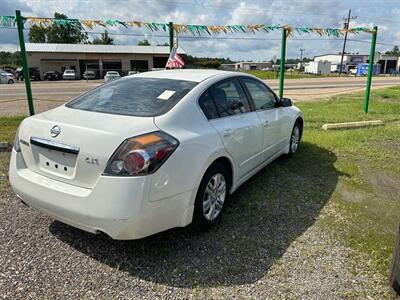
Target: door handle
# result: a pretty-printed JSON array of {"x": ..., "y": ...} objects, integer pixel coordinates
[
  {"x": 227, "y": 133},
  {"x": 266, "y": 123}
]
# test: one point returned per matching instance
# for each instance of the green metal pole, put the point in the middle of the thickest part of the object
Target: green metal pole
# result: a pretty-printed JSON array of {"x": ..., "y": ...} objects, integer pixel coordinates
[
  {"x": 171, "y": 36},
  {"x": 282, "y": 67},
  {"x": 20, "y": 25},
  {"x": 370, "y": 69}
]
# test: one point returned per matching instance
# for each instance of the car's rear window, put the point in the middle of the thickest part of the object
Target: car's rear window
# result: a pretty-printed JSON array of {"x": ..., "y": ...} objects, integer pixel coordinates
[{"x": 145, "y": 97}]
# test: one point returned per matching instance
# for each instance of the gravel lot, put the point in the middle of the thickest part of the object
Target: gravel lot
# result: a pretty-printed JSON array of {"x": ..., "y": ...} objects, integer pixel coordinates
[{"x": 273, "y": 242}]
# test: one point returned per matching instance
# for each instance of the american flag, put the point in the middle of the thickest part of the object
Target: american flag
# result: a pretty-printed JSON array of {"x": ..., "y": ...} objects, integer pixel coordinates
[{"x": 174, "y": 60}]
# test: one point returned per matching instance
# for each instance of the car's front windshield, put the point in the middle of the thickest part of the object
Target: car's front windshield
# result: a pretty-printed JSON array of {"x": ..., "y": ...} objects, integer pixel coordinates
[{"x": 136, "y": 96}]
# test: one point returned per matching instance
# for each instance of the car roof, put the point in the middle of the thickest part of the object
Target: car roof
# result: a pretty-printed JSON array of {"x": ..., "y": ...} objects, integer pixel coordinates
[{"x": 196, "y": 75}]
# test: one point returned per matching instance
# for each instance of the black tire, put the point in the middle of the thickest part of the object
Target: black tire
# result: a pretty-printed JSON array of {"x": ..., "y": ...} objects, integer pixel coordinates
[
  {"x": 297, "y": 127},
  {"x": 10, "y": 81},
  {"x": 200, "y": 220}
]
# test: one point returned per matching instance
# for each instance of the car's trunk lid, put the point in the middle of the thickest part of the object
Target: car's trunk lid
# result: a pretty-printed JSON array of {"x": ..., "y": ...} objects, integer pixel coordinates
[{"x": 78, "y": 154}]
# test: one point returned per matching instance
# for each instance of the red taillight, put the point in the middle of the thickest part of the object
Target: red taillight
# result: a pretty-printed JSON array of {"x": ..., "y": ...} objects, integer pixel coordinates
[
  {"x": 141, "y": 155},
  {"x": 136, "y": 161},
  {"x": 163, "y": 153}
]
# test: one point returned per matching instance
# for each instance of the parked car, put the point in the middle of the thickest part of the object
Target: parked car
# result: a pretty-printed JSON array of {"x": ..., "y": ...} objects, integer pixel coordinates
[
  {"x": 6, "y": 77},
  {"x": 70, "y": 75},
  {"x": 89, "y": 75},
  {"x": 132, "y": 72},
  {"x": 34, "y": 74},
  {"x": 111, "y": 75},
  {"x": 353, "y": 71},
  {"x": 9, "y": 70},
  {"x": 52, "y": 75},
  {"x": 151, "y": 152}
]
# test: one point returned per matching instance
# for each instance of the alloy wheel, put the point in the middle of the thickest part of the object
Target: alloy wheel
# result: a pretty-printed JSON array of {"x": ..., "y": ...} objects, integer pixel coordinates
[
  {"x": 214, "y": 197},
  {"x": 295, "y": 139}
]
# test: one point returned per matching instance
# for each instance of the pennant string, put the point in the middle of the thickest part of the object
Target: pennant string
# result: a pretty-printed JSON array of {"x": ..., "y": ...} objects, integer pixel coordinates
[{"x": 10, "y": 22}]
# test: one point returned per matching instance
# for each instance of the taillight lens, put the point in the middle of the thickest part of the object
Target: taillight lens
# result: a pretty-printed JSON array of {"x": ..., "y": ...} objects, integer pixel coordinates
[{"x": 141, "y": 155}]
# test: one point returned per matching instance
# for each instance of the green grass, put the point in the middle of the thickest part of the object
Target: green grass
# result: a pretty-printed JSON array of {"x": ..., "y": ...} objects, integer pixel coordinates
[
  {"x": 288, "y": 75},
  {"x": 367, "y": 196},
  {"x": 8, "y": 126}
]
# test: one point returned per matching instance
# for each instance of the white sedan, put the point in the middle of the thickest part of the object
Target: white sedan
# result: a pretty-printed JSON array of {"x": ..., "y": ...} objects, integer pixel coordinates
[
  {"x": 111, "y": 75},
  {"x": 69, "y": 75},
  {"x": 151, "y": 151},
  {"x": 6, "y": 77}
]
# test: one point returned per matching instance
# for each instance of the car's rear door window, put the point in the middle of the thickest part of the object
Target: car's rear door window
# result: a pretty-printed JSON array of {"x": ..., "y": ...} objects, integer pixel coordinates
[
  {"x": 230, "y": 98},
  {"x": 207, "y": 105},
  {"x": 144, "y": 97}
]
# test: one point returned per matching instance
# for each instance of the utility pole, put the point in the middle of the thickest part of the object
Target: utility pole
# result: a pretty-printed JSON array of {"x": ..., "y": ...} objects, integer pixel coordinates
[
  {"x": 346, "y": 22},
  {"x": 301, "y": 53},
  {"x": 301, "y": 58}
]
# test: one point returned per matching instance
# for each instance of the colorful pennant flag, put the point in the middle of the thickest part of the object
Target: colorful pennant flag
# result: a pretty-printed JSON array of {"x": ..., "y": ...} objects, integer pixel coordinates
[{"x": 10, "y": 21}]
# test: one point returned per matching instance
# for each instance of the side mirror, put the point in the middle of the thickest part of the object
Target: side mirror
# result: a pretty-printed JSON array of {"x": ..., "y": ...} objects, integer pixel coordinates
[{"x": 286, "y": 102}]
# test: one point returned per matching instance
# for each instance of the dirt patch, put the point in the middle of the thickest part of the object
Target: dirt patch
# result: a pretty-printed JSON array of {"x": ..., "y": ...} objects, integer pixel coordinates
[{"x": 384, "y": 184}]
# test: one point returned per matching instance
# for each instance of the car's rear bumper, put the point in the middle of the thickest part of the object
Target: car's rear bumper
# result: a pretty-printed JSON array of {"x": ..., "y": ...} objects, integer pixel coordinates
[{"x": 116, "y": 206}]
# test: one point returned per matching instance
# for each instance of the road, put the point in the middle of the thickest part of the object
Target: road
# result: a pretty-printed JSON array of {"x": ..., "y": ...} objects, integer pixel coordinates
[{"x": 50, "y": 94}]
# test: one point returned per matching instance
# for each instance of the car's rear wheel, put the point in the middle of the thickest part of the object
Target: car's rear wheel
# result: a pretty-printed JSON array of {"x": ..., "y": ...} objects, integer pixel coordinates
[
  {"x": 295, "y": 138},
  {"x": 10, "y": 81},
  {"x": 211, "y": 196}
]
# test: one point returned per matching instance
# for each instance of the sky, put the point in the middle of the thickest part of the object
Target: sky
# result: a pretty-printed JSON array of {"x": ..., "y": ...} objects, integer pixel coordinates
[{"x": 261, "y": 46}]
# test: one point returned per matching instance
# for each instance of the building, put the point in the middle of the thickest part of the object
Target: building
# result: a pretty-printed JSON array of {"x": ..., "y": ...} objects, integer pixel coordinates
[
  {"x": 389, "y": 63},
  {"x": 100, "y": 58},
  {"x": 350, "y": 61},
  {"x": 247, "y": 65}
]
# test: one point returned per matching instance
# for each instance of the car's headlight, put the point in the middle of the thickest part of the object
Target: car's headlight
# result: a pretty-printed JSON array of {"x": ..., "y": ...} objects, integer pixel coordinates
[
  {"x": 17, "y": 146},
  {"x": 141, "y": 155}
]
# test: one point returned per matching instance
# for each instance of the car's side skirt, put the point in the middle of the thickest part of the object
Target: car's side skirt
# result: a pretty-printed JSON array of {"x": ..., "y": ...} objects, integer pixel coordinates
[{"x": 256, "y": 170}]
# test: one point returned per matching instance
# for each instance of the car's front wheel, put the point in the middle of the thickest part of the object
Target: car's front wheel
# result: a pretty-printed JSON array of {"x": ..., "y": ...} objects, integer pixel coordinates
[
  {"x": 211, "y": 196},
  {"x": 10, "y": 81},
  {"x": 295, "y": 138}
]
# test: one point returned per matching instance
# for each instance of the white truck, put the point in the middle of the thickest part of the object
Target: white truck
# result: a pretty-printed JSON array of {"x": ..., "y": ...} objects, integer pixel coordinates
[{"x": 318, "y": 67}]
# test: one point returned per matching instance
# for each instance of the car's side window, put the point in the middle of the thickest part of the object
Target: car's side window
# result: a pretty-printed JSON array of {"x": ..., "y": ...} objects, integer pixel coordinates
[
  {"x": 229, "y": 98},
  {"x": 207, "y": 105},
  {"x": 263, "y": 98}
]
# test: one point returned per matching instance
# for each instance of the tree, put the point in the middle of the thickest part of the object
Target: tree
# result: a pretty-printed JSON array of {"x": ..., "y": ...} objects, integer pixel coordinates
[
  {"x": 37, "y": 34},
  {"x": 145, "y": 42},
  {"x": 16, "y": 58},
  {"x": 104, "y": 39},
  {"x": 163, "y": 44},
  {"x": 63, "y": 33},
  {"x": 395, "y": 51},
  {"x": 10, "y": 60},
  {"x": 205, "y": 62}
]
